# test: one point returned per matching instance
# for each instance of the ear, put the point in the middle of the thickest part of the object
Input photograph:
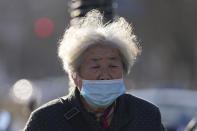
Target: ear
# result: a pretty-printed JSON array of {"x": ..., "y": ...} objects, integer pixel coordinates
[
  {"x": 77, "y": 80},
  {"x": 74, "y": 77}
]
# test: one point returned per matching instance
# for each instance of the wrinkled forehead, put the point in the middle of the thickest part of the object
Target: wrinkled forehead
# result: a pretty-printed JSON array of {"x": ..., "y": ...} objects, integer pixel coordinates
[
  {"x": 100, "y": 50},
  {"x": 102, "y": 46},
  {"x": 96, "y": 49}
]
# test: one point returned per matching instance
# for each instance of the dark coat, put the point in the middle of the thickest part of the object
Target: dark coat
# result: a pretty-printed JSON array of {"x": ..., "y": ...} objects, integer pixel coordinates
[{"x": 68, "y": 114}]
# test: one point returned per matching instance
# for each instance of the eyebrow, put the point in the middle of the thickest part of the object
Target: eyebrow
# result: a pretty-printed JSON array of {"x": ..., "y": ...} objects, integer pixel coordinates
[{"x": 95, "y": 59}]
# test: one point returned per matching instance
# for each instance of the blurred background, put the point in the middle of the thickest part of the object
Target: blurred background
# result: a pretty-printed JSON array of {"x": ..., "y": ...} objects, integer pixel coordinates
[{"x": 31, "y": 73}]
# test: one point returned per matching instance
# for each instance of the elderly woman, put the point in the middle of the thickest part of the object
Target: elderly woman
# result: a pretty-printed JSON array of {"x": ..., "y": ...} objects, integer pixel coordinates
[{"x": 97, "y": 57}]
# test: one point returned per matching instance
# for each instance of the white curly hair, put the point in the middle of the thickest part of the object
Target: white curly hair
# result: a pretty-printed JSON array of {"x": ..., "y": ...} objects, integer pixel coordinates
[{"x": 90, "y": 30}]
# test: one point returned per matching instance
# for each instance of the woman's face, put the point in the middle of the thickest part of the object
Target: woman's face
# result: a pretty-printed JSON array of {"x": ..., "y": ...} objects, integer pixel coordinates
[{"x": 101, "y": 62}]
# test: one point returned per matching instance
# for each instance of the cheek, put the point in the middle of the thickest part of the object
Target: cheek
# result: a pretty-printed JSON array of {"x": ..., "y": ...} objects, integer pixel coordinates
[
  {"x": 116, "y": 74},
  {"x": 89, "y": 74}
]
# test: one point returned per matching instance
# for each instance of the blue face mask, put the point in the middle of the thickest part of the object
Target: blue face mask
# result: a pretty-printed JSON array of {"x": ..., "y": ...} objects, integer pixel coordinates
[{"x": 102, "y": 93}]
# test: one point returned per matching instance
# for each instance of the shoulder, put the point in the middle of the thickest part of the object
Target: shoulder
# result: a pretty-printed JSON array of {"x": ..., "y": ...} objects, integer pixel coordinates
[
  {"x": 128, "y": 98},
  {"x": 51, "y": 106},
  {"x": 44, "y": 116},
  {"x": 141, "y": 112},
  {"x": 136, "y": 104}
]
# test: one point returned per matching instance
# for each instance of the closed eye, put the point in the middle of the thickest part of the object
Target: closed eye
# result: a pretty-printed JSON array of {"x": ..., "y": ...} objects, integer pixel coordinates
[
  {"x": 95, "y": 67},
  {"x": 114, "y": 66}
]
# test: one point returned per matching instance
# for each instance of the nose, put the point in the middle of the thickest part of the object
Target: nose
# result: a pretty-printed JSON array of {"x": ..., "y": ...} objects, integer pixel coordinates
[{"x": 105, "y": 75}]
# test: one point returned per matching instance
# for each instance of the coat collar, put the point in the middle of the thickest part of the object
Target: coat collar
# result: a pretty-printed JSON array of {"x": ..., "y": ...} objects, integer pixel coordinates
[{"x": 122, "y": 114}]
